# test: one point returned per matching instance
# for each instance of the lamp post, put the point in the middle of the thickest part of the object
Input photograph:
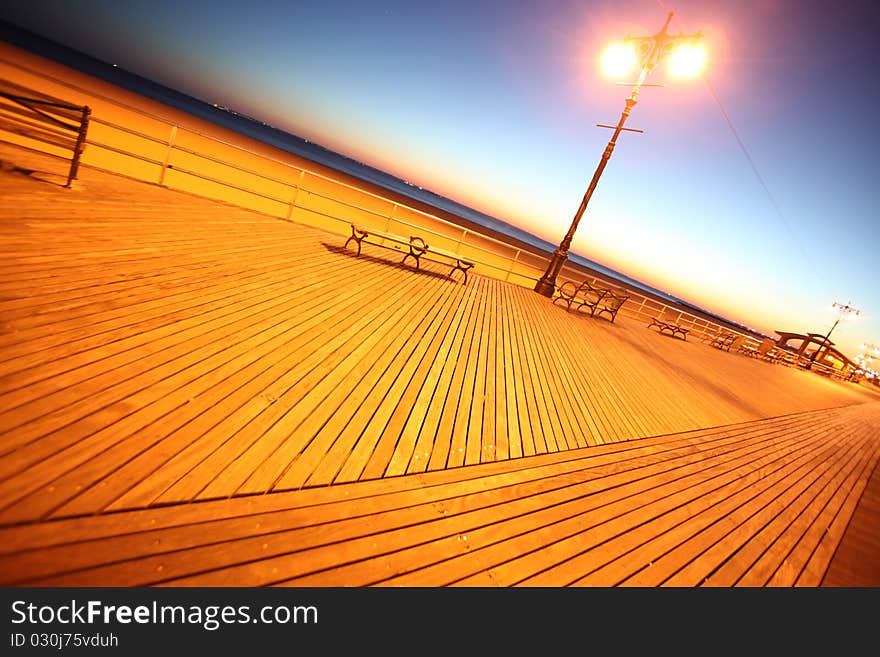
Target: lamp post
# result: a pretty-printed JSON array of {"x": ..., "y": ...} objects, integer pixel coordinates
[
  {"x": 842, "y": 310},
  {"x": 653, "y": 49}
]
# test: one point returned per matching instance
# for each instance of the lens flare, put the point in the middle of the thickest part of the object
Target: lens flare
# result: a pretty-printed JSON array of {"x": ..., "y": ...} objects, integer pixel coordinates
[
  {"x": 618, "y": 60},
  {"x": 687, "y": 61}
]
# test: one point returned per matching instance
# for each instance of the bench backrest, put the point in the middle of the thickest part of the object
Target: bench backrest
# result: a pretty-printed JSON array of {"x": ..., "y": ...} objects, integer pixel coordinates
[
  {"x": 767, "y": 345},
  {"x": 590, "y": 293},
  {"x": 614, "y": 301}
]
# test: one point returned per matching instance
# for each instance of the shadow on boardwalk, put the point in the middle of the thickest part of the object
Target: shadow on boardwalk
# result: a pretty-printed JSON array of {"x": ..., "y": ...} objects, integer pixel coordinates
[{"x": 385, "y": 259}]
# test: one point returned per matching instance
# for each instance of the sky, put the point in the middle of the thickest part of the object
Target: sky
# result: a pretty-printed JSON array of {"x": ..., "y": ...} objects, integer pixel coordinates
[{"x": 752, "y": 192}]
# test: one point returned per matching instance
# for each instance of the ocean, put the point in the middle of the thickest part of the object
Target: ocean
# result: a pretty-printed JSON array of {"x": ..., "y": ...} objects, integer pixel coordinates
[{"x": 254, "y": 128}]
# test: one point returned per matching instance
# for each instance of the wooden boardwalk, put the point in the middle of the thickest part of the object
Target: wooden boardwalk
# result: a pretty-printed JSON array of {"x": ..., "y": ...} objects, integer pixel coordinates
[{"x": 197, "y": 394}]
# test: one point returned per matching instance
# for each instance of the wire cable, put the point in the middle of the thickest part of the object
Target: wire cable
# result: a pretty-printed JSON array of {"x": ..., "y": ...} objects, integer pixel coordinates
[{"x": 754, "y": 167}]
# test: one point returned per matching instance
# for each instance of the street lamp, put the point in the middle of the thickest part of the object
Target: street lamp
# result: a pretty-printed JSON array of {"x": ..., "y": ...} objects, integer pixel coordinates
[
  {"x": 865, "y": 359},
  {"x": 652, "y": 50},
  {"x": 842, "y": 311}
]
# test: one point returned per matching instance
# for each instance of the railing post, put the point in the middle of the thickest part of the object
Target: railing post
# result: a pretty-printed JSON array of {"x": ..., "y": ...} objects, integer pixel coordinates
[
  {"x": 80, "y": 144},
  {"x": 390, "y": 218},
  {"x": 461, "y": 241},
  {"x": 512, "y": 263},
  {"x": 171, "y": 137},
  {"x": 296, "y": 188}
]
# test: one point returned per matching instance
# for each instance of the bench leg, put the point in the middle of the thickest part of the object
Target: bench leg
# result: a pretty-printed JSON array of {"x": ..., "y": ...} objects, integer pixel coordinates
[
  {"x": 412, "y": 254},
  {"x": 357, "y": 240},
  {"x": 462, "y": 269},
  {"x": 357, "y": 236},
  {"x": 567, "y": 302}
]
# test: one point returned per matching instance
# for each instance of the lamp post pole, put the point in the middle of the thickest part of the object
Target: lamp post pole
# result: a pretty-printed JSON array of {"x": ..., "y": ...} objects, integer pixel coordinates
[
  {"x": 653, "y": 49},
  {"x": 842, "y": 309}
]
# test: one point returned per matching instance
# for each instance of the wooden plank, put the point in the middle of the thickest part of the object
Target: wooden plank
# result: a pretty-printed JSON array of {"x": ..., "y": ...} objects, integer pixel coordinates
[
  {"x": 347, "y": 449},
  {"x": 396, "y": 406},
  {"x": 781, "y": 539},
  {"x": 565, "y": 545},
  {"x": 462, "y": 534},
  {"x": 255, "y": 469},
  {"x": 597, "y": 363},
  {"x": 541, "y": 429},
  {"x": 138, "y": 325},
  {"x": 476, "y": 394},
  {"x": 855, "y": 561},
  {"x": 643, "y": 452},
  {"x": 188, "y": 309},
  {"x": 698, "y": 557},
  {"x": 443, "y": 409},
  {"x": 397, "y": 444},
  {"x": 580, "y": 426},
  {"x": 834, "y": 522},
  {"x": 503, "y": 433},
  {"x": 97, "y": 297},
  {"x": 222, "y": 310},
  {"x": 424, "y": 419},
  {"x": 187, "y": 441},
  {"x": 199, "y": 375},
  {"x": 430, "y": 319},
  {"x": 455, "y": 427},
  {"x": 491, "y": 398},
  {"x": 317, "y": 405},
  {"x": 48, "y": 469},
  {"x": 538, "y": 498}
]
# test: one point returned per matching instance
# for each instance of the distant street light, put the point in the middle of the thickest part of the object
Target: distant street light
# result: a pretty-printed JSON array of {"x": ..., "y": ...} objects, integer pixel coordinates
[
  {"x": 687, "y": 59},
  {"x": 865, "y": 359},
  {"x": 843, "y": 310},
  {"x": 868, "y": 348}
]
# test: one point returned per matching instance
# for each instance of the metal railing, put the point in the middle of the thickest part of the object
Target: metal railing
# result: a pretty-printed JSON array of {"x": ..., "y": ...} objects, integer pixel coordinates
[{"x": 165, "y": 152}]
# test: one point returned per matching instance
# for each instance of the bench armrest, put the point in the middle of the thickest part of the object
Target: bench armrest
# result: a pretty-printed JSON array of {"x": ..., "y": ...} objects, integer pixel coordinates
[{"x": 418, "y": 245}]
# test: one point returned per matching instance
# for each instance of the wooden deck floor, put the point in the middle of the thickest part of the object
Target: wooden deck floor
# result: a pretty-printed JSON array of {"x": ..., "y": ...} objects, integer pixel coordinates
[{"x": 196, "y": 394}]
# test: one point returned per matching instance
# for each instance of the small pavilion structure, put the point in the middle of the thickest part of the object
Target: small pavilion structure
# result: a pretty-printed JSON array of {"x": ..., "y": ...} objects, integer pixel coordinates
[{"x": 826, "y": 354}]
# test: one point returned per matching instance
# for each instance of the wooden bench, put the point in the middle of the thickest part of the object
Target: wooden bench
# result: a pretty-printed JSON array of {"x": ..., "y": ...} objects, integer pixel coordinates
[
  {"x": 769, "y": 351},
  {"x": 672, "y": 329},
  {"x": 725, "y": 341},
  {"x": 598, "y": 299},
  {"x": 827, "y": 370},
  {"x": 417, "y": 248},
  {"x": 44, "y": 119},
  {"x": 458, "y": 263}
]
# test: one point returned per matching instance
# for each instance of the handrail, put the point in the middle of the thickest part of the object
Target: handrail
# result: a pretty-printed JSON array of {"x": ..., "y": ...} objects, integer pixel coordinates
[
  {"x": 355, "y": 206},
  {"x": 198, "y": 133},
  {"x": 512, "y": 252}
]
